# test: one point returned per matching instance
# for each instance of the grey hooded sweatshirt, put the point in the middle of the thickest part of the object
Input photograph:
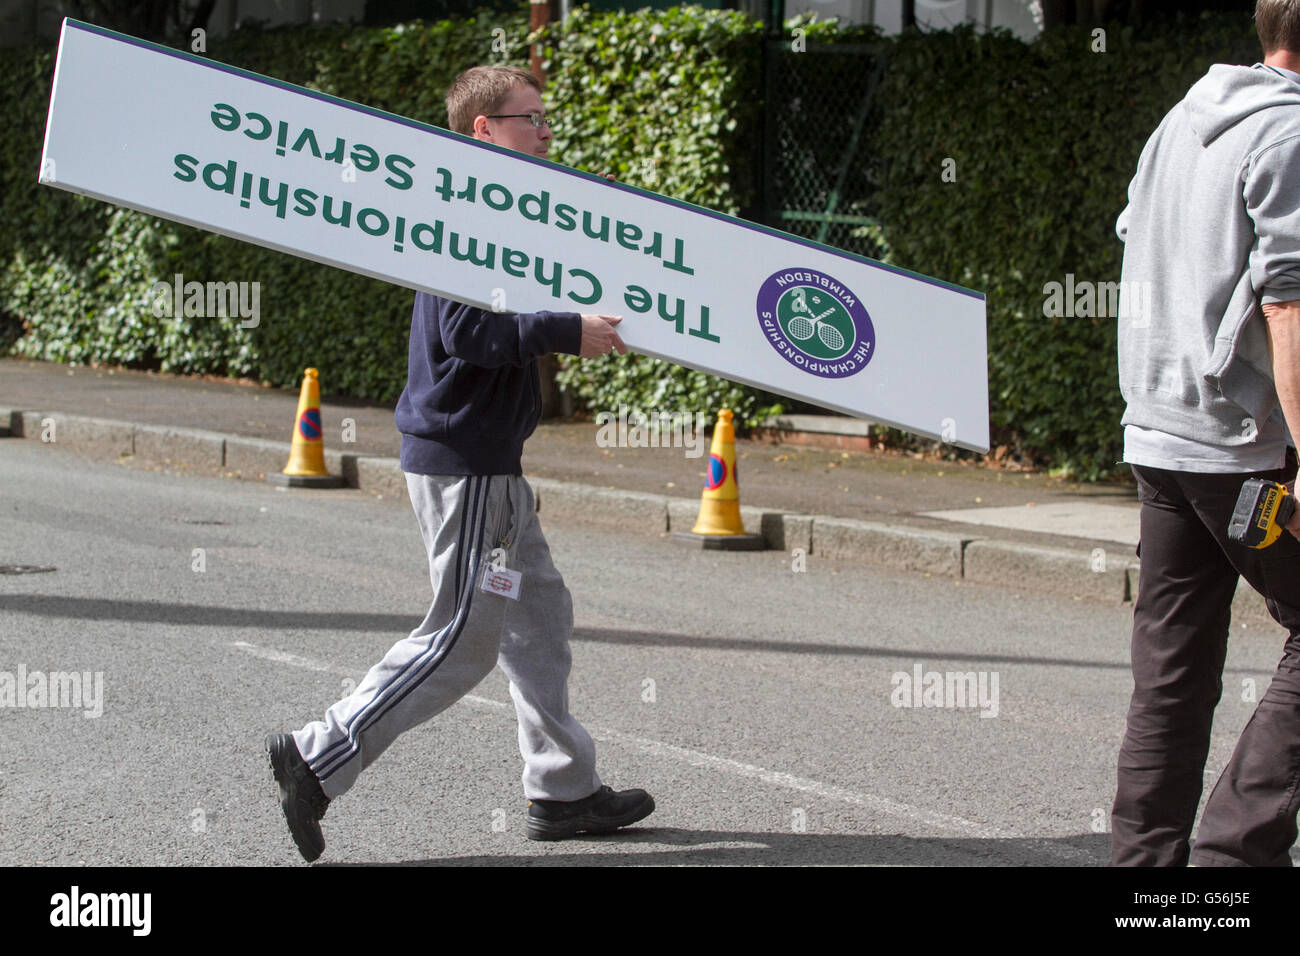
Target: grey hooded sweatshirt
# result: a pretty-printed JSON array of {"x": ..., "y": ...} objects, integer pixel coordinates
[{"x": 1211, "y": 231}]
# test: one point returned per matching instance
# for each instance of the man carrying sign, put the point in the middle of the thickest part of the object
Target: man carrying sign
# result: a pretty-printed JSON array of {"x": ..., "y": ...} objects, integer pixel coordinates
[{"x": 472, "y": 397}]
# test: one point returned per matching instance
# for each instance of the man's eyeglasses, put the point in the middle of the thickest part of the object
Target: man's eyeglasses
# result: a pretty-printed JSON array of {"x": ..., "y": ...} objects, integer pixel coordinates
[{"x": 537, "y": 119}]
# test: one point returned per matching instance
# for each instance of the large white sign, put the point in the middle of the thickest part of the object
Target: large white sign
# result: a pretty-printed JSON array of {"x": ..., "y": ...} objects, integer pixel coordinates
[{"x": 202, "y": 143}]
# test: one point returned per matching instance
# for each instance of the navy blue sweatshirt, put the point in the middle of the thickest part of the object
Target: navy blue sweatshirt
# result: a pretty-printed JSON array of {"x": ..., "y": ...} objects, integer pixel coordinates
[{"x": 472, "y": 391}]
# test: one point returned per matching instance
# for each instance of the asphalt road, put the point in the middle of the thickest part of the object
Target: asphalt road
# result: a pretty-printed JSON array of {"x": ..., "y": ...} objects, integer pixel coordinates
[{"x": 757, "y": 702}]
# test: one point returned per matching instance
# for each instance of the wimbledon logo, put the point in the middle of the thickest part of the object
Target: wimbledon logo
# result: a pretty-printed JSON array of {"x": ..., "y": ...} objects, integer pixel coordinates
[{"x": 815, "y": 323}]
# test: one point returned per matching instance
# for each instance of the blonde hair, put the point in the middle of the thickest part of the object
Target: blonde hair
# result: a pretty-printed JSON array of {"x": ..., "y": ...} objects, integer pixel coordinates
[{"x": 481, "y": 91}]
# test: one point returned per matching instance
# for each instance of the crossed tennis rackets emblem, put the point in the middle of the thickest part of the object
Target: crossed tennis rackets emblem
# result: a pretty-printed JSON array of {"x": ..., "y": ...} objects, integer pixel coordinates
[{"x": 806, "y": 322}]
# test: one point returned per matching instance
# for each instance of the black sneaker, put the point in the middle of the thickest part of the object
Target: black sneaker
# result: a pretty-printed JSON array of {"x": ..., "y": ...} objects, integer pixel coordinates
[
  {"x": 602, "y": 812},
  {"x": 301, "y": 797}
]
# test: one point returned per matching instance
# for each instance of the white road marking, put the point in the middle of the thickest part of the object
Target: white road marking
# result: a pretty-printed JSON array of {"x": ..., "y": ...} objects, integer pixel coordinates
[
  {"x": 283, "y": 657},
  {"x": 826, "y": 791},
  {"x": 776, "y": 778}
]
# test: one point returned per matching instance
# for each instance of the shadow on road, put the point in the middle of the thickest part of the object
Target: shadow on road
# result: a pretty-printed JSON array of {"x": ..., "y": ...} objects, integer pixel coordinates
[
  {"x": 698, "y": 847},
  {"x": 200, "y": 615},
  {"x": 648, "y": 639}
]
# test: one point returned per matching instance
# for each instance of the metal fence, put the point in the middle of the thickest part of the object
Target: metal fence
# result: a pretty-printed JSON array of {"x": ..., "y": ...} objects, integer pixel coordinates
[{"x": 820, "y": 172}]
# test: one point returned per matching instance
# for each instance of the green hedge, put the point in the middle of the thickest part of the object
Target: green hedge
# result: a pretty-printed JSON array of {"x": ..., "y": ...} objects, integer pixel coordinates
[
  {"x": 78, "y": 272},
  {"x": 1045, "y": 137}
]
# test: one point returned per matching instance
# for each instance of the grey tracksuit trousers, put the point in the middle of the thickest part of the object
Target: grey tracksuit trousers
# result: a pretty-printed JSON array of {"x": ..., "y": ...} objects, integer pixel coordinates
[{"x": 463, "y": 520}]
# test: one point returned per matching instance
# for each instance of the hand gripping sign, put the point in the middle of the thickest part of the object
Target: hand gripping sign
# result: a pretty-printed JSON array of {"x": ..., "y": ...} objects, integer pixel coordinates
[{"x": 247, "y": 156}]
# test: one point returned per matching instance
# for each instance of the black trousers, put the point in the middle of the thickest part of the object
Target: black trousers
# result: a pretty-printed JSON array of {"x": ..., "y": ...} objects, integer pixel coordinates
[{"x": 1180, "y": 635}]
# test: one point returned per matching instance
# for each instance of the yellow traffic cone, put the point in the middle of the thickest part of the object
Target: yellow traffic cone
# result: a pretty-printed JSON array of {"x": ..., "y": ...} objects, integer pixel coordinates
[
  {"x": 719, "y": 524},
  {"x": 306, "y": 468}
]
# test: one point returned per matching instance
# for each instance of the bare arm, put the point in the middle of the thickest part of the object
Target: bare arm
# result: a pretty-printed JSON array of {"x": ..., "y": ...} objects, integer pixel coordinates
[{"x": 1284, "y": 345}]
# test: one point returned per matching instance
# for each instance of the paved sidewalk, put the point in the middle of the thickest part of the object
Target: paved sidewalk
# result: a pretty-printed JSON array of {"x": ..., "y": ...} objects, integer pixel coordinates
[{"x": 944, "y": 518}]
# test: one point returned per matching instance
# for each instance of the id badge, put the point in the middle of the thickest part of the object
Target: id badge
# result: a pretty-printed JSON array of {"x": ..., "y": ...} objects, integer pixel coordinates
[{"x": 503, "y": 582}]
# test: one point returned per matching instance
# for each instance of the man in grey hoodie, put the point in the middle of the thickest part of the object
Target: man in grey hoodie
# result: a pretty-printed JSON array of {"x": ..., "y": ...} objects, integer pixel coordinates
[{"x": 1209, "y": 363}]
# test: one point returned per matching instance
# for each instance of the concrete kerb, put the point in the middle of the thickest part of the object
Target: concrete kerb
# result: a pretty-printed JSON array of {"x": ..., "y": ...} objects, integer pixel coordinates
[
  {"x": 786, "y": 532},
  {"x": 250, "y": 457},
  {"x": 1080, "y": 574},
  {"x": 1062, "y": 571},
  {"x": 245, "y": 457},
  {"x": 189, "y": 446},
  {"x": 381, "y": 476},
  {"x": 906, "y": 549},
  {"x": 74, "y": 431},
  {"x": 630, "y": 510}
]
